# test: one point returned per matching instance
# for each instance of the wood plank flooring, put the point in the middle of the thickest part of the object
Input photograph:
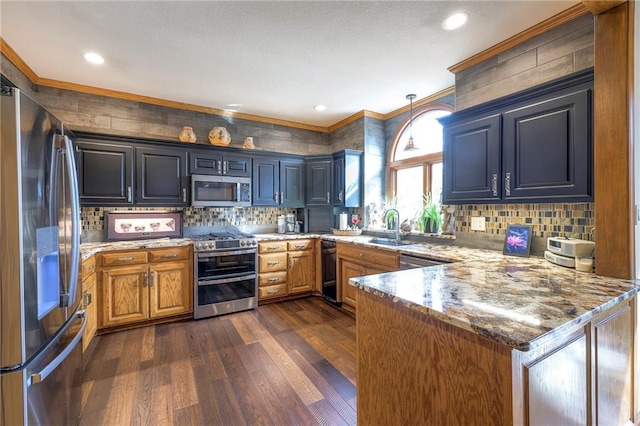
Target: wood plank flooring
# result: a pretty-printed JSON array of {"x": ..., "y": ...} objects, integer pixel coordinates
[{"x": 288, "y": 363}]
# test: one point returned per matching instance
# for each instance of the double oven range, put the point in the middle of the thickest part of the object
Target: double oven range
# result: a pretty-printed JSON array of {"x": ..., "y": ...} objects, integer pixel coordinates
[{"x": 225, "y": 275}]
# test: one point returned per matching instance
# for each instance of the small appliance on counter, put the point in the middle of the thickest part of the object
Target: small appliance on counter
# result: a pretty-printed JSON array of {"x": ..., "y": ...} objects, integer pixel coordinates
[
  {"x": 290, "y": 223},
  {"x": 282, "y": 225},
  {"x": 570, "y": 252}
]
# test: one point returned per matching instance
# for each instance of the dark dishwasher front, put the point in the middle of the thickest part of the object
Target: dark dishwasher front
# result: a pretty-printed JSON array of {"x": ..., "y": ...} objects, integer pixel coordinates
[{"x": 329, "y": 283}]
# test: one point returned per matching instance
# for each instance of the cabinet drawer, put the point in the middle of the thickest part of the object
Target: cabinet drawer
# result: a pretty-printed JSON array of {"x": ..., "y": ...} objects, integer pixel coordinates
[
  {"x": 272, "y": 278},
  {"x": 169, "y": 254},
  {"x": 272, "y": 262},
  {"x": 299, "y": 245},
  {"x": 369, "y": 256},
  {"x": 88, "y": 267},
  {"x": 272, "y": 291},
  {"x": 272, "y": 247},
  {"x": 124, "y": 258}
]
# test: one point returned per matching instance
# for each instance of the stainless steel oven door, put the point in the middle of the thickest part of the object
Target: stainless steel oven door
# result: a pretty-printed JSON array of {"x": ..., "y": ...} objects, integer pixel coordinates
[
  {"x": 217, "y": 265},
  {"x": 222, "y": 296}
]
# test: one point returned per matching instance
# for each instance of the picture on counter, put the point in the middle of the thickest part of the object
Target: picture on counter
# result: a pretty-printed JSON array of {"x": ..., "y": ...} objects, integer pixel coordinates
[
  {"x": 517, "y": 242},
  {"x": 142, "y": 225}
]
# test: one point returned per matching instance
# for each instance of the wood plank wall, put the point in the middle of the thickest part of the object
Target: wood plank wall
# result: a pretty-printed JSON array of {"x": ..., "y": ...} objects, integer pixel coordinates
[{"x": 614, "y": 204}]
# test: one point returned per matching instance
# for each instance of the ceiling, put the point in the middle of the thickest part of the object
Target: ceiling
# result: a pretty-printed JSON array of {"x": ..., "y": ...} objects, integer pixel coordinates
[{"x": 275, "y": 59}]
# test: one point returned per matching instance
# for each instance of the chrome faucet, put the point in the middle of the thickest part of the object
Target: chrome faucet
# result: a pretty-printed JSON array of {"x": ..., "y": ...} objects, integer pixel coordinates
[{"x": 397, "y": 224}]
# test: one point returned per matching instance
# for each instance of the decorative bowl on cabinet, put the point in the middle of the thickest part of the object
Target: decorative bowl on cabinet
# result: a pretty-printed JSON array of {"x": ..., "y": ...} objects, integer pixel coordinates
[{"x": 219, "y": 136}]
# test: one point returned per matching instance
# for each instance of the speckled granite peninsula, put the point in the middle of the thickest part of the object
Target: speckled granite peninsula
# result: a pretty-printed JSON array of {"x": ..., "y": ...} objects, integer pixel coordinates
[{"x": 493, "y": 339}]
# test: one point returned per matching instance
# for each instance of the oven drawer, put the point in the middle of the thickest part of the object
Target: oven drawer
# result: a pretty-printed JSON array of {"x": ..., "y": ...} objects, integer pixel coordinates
[
  {"x": 272, "y": 247},
  {"x": 272, "y": 278},
  {"x": 300, "y": 245},
  {"x": 272, "y": 291},
  {"x": 272, "y": 262},
  {"x": 169, "y": 254},
  {"x": 124, "y": 258}
]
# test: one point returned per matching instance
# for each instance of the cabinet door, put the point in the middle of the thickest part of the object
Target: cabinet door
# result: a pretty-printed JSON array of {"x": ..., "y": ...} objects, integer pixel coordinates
[
  {"x": 170, "y": 289},
  {"x": 302, "y": 272},
  {"x": 203, "y": 163},
  {"x": 291, "y": 183},
  {"x": 471, "y": 161},
  {"x": 236, "y": 166},
  {"x": 318, "y": 182},
  {"x": 90, "y": 308},
  {"x": 613, "y": 341},
  {"x": 265, "y": 183},
  {"x": 161, "y": 177},
  {"x": 347, "y": 178},
  {"x": 105, "y": 173},
  {"x": 349, "y": 270},
  {"x": 547, "y": 149},
  {"x": 125, "y": 298}
]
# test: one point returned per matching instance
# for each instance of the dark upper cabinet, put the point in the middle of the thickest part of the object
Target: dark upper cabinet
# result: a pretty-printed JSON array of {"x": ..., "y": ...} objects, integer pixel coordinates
[
  {"x": 347, "y": 178},
  {"x": 534, "y": 146},
  {"x": 547, "y": 154},
  {"x": 277, "y": 183},
  {"x": 161, "y": 176},
  {"x": 318, "y": 172},
  {"x": 105, "y": 173},
  {"x": 471, "y": 159},
  {"x": 291, "y": 183},
  {"x": 204, "y": 163}
]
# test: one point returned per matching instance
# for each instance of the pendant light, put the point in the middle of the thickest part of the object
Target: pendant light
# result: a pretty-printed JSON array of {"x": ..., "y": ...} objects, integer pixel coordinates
[{"x": 410, "y": 145}]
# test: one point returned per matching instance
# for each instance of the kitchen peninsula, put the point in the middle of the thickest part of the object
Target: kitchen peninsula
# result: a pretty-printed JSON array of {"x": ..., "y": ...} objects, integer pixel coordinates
[{"x": 502, "y": 341}]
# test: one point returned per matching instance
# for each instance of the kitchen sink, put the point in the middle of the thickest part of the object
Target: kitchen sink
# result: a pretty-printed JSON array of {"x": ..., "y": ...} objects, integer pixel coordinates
[{"x": 387, "y": 242}]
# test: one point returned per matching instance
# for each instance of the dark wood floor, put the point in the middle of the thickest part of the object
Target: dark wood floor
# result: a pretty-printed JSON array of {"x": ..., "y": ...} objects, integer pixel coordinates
[{"x": 288, "y": 363}]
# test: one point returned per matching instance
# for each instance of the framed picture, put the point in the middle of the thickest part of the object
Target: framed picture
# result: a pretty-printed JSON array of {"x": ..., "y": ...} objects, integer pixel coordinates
[
  {"x": 142, "y": 225},
  {"x": 517, "y": 242}
]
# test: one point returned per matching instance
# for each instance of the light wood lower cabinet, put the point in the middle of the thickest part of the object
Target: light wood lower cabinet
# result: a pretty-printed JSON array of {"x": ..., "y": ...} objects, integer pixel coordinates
[
  {"x": 448, "y": 375},
  {"x": 145, "y": 285},
  {"x": 356, "y": 261},
  {"x": 285, "y": 268},
  {"x": 90, "y": 301}
]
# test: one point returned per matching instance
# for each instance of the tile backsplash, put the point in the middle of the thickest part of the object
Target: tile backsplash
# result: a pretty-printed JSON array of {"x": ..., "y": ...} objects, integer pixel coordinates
[
  {"x": 574, "y": 220},
  {"x": 93, "y": 217}
]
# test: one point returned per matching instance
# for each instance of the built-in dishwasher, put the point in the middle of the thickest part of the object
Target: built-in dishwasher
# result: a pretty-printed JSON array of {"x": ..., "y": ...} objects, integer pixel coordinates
[
  {"x": 329, "y": 283},
  {"x": 408, "y": 261}
]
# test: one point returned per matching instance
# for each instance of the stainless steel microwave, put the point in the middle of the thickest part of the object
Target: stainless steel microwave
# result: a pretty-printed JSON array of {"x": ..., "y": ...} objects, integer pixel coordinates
[{"x": 220, "y": 191}]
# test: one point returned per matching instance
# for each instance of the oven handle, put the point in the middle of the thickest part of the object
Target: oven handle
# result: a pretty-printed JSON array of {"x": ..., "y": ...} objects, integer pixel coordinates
[
  {"x": 224, "y": 253},
  {"x": 227, "y": 280}
]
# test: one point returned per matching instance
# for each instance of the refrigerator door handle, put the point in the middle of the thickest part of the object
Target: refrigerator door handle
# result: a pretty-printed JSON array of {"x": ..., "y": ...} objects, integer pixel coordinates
[
  {"x": 75, "y": 223},
  {"x": 50, "y": 368}
]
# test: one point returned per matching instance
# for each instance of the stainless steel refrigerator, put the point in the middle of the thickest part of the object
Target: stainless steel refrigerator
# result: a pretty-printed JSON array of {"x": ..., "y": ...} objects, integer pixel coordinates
[{"x": 41, "y": 323}]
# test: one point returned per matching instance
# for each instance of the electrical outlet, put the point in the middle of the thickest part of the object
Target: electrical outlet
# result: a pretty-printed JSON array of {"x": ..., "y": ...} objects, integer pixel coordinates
[{"x": 477, "y": 224}]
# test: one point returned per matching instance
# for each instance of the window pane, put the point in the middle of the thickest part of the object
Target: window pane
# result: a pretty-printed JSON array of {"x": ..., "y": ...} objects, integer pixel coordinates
[
  {"x": 427, "y": 135},
  {"x": 409, "y": 191},
  {"x": 436, "y": 182}
]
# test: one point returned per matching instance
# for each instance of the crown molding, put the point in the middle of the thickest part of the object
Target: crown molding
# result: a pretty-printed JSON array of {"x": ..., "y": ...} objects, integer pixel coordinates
[{"x": 544, "y": 26}]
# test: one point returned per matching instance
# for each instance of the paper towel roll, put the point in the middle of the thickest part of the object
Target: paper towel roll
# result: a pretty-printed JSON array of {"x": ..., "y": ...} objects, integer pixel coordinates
[{"x": 343, "y": 221}]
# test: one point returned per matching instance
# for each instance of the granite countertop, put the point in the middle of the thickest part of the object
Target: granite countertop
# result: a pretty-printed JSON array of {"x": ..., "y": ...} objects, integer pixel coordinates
[
  {"x": 520, "y": 302},
  {"x": 89, "y": 249}
]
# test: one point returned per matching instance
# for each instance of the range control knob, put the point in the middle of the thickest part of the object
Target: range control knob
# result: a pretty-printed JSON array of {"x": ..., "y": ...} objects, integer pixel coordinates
[{"x": 243, "y": 243}]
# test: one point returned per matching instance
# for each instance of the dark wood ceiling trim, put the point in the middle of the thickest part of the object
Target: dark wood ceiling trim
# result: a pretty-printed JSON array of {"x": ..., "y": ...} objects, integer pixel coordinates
[
  {"x": 424, "y": 101},
  {"x": 16, "y": 60},
  {"x": 544, "y": 26},
  {"x": 599, "y": 6}
]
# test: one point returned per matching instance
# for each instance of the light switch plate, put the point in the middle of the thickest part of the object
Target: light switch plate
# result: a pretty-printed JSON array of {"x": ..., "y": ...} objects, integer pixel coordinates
[{"x": 477, "y": 224}]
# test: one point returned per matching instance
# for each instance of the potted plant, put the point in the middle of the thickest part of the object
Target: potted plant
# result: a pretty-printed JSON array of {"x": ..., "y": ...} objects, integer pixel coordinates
[{"x": 429, "y": 219}]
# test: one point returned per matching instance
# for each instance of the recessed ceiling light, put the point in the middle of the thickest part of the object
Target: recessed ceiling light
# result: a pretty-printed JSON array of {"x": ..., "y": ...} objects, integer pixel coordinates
[
  {"x": 455, "y": 21},
  {"x": 320, "y": 107},
  {"x": 94, "y": 58}
]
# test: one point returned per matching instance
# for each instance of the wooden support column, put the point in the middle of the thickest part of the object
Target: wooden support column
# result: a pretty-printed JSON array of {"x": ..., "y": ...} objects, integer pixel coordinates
[{"x": 614, "y": 204}]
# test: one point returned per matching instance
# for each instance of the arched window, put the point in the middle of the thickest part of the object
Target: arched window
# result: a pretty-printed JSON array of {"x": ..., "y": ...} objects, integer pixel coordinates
[{"x": 418, "y": 171}]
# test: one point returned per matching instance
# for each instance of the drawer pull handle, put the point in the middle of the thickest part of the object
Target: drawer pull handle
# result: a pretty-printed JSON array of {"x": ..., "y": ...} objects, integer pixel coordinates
[
  {"x": 151, "y": 279},
  {"x": 301, "y": 246},
  {"x": 125, "y": 259},
  {"x": 92, "y": 267},
  {"x": 273, "y": 280},
  {"x": 273, "y": 248},
  {"x": 273, "y": 263},
  {"x": 494, "y": 184},
  {"x": 507, "y": 183},
  {"x": 87, "y": 298},
  {"x": 169, "y": 256},
  {"x": 146, "y": 279},
  {"x": 273, "y": 291}
]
